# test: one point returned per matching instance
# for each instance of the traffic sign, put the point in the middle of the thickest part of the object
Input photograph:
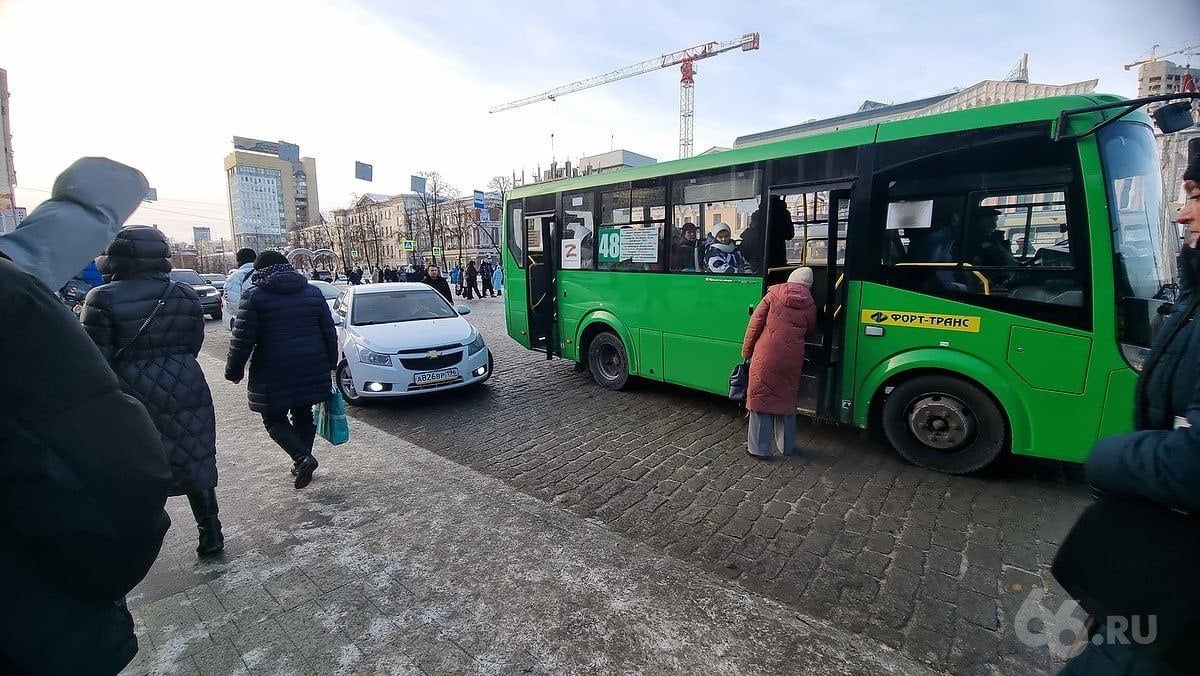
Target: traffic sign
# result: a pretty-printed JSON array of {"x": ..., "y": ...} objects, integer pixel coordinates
[
  {"x": 437, "y": 251},
  {"x": 478, "y": 199},
  {"x": 410, "y": 245},
  {"x": 484, "y": 216}
]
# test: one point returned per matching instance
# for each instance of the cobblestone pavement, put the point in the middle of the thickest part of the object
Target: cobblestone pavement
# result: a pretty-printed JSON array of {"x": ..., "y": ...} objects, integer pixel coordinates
[
  {"x": 933, "y": 565},
  {"x": 396, "y": 560}
]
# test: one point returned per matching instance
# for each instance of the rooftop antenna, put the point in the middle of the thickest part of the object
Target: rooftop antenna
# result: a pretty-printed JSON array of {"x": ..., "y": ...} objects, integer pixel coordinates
[{"x": 552, "y": 147}]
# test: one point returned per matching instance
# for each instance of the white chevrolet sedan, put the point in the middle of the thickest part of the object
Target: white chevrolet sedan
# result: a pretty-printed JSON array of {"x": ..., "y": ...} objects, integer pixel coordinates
[{"x": 397, "y": 339}]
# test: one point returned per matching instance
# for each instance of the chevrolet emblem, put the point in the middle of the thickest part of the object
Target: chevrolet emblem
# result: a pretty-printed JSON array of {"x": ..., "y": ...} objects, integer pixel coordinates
[{"x": 432, "y": 354}]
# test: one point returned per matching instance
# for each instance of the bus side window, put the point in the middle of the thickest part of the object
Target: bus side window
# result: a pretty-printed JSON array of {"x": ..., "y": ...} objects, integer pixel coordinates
[
  {"x": 579, "y": 232},
  {"x": 516, "y": 233}
]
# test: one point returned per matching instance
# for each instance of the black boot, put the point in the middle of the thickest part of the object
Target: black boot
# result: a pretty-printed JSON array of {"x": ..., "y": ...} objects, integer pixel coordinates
[
  {"x": 304, "y": 471},
  {"x": 204, "y": 508}
]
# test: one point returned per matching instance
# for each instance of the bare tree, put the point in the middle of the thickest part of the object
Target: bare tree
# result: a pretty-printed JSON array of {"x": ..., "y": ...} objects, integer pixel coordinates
[
  {"x": 434, "y": 203},
  {"x": 501, "y": 185}
]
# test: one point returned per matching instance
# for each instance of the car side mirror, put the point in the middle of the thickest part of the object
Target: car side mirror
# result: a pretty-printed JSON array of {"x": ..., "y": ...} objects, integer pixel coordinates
[{"x": 462, "y": 309}]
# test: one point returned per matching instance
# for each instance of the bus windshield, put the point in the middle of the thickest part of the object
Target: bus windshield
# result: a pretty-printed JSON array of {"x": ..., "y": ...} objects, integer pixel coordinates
[{"x": 1143, "y": 243}]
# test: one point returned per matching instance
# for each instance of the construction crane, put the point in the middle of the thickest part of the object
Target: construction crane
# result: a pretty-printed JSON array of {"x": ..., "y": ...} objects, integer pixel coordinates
[
  {"x": 1154, "y": 56},
  {"x": 684, "y": 58}
]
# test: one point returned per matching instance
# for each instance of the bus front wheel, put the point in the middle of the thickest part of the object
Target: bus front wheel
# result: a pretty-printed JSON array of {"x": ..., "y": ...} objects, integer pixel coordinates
[
  {"x": 944, "y": 423},
  {"x": 608, "y": 361}
]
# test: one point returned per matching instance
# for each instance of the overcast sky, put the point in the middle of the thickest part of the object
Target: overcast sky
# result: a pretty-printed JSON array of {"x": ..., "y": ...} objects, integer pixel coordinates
[{"x": 408, "y": 89}]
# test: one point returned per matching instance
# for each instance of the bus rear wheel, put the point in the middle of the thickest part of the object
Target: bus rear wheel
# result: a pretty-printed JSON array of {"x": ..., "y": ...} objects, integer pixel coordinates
[
  {"x": 944, "y": 424},
  {"x": 608, "y": 361}
]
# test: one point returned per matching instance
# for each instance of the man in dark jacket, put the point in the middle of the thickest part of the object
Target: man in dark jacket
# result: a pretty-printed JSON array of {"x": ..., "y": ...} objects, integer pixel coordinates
[
  {"x": 84, "y": 476},
  {"x": 471, "y": 280},
  {"x": 1160, "y": 462},
  {"x": 485, "y": 277},
  {"x": 438, "y": 282},
  {"x": 150, "y": 331},
  {"x": 284, "y": 330}
]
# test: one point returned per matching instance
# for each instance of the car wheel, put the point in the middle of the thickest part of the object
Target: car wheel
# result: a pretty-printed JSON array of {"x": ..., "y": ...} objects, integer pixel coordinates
[
  {"x": 608, "y": 361},
  {"x": 945, "y": 424},
  {"x": 345, "y": 385}
]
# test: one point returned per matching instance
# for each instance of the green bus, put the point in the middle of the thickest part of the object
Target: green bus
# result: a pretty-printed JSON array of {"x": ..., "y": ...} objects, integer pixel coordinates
[{"x": 995, "y": 279}]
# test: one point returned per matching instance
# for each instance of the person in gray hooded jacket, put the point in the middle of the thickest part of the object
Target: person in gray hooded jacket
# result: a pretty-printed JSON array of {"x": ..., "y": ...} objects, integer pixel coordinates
[{"x": 83, "y": 476}]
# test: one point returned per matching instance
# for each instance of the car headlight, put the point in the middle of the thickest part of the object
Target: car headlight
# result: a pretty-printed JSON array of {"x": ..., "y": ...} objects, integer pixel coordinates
[
  {"x": 476, "y": 345},
  {"x": 374, "y": 358},
  {"x": 210, "y": 292}
]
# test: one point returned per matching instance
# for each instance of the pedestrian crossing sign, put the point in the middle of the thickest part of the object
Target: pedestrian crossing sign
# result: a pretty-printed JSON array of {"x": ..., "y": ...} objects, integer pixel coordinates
[
  {"x": 437, "y": 251},
  {"x": 410, "y": 245}
]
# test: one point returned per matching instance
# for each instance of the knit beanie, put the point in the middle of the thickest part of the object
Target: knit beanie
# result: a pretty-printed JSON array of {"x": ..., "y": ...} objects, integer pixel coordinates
[{"x": 802, "y": 276}]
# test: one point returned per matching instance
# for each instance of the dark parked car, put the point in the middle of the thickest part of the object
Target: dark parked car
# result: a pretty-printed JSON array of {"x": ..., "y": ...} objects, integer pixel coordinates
[
  {"x": 216, "y": 279},
  {"x": 210, "y": 298}
]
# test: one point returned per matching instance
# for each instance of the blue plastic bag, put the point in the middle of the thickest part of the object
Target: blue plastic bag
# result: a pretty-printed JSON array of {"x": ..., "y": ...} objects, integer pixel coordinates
[{"x": 330, "y": 418}]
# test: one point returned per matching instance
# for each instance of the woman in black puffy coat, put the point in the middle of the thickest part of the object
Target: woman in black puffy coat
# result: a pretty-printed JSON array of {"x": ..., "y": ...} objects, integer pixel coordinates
[
  {"x": 284, "y": 330},
  {"x": 150, "y": 330}
]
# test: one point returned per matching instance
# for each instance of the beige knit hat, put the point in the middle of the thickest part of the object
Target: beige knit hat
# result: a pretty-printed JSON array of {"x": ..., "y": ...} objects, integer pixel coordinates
[{"x": 801, "y": 276}]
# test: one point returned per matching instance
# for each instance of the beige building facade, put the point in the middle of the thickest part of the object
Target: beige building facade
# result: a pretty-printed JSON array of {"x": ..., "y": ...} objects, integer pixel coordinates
[
  {"x": 272, "y": 197},
  {"x": 1163, "y": 77}
]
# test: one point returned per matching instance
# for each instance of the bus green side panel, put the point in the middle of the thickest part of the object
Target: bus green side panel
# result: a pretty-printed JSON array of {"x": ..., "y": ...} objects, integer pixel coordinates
[
  {"x": 651, "y": 352},
  {"x": 1051, "y": 399},
  {"x": 1028, "y": 350},
  {"x": 1118, "y": 404},
  {"x": 700, "y": 320}
]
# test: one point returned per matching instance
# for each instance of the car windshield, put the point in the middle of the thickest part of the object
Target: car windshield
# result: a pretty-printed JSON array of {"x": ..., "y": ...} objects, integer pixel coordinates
[
  {"x": 399, "y": 306},
  {"x": 328, "y": 290},
  {"x": 187, "y": 277},
  {"x": 1144, "y": 240},
  {"x": 214, "y": 278}
]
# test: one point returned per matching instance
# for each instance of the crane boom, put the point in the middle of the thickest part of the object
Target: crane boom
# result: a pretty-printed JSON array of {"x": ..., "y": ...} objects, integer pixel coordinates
[
  {"x": 1155, "y": 56},
  {"x": 747, "y": 42}
]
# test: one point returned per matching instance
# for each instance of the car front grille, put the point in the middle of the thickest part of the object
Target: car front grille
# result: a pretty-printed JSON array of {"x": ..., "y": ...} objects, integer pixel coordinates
[{"x": 427, "y": 364}]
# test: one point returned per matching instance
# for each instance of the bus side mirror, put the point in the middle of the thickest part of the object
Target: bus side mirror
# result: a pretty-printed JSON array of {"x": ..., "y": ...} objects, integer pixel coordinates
[{"x": 1173, "y": 117}]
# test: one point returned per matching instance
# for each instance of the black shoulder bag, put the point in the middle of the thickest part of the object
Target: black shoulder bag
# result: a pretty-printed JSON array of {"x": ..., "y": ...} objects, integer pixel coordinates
[{"x": 162, "y": 300}]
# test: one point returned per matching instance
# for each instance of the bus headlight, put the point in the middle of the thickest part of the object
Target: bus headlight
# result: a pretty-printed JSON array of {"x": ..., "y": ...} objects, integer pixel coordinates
[{"x": 1135, "y": 355}]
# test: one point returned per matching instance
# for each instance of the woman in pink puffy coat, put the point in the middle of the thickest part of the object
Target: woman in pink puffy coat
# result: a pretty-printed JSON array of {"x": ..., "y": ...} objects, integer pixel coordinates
[{"x": 774, "y": 344}]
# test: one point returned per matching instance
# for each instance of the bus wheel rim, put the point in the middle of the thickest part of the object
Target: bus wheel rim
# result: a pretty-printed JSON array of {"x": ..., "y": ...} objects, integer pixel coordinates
[
  {"x": 941, "y": 422},
  {"x": 610, "y": 362}
]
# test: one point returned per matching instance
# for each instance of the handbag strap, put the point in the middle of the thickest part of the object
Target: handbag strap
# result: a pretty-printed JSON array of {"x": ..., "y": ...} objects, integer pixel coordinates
[{"x": 162, "y": 300}]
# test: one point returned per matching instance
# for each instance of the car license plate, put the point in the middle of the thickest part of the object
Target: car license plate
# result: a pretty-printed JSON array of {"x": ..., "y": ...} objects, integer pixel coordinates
[{"x": 427, "y": 377}]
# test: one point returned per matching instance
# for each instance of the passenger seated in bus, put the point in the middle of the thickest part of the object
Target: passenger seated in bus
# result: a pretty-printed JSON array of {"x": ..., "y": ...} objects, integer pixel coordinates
[
  {"x": 686, "y": 249},
  {"x": 988, "y": 248},
  {"x": 722, "y": 256},
  {"x": 937, "y": 244}
]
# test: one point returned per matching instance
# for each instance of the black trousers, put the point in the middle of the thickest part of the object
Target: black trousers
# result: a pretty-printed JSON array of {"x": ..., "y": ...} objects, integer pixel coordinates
[
  {"x": 295, "y": 437},
  {"x": 472, "y": 285},
  {"x": 487, "y": 287}
]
